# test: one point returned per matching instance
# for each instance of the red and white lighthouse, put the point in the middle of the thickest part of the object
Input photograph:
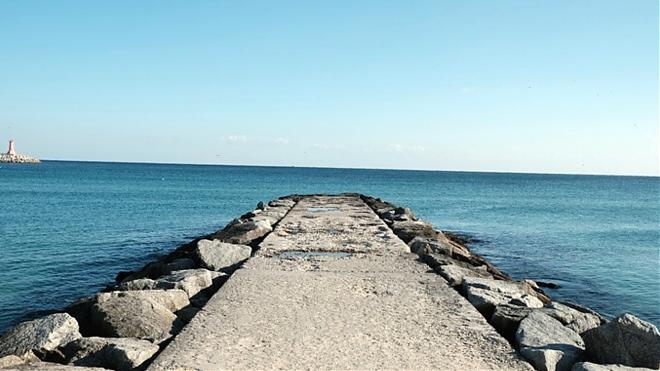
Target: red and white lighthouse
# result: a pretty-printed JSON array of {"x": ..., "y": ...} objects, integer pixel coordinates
[{"x": 12, "y": 149}]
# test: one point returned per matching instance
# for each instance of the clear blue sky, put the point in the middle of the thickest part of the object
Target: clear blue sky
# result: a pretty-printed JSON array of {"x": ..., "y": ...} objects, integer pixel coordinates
[{"x": 525, "y": 86}]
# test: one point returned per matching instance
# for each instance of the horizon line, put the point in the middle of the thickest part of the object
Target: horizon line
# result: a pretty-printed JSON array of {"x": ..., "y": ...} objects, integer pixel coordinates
[{"x": 352, "y": 168}]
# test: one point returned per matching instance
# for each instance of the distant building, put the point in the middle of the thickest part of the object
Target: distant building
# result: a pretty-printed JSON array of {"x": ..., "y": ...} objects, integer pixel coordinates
[{"x": 12, "y": 149}]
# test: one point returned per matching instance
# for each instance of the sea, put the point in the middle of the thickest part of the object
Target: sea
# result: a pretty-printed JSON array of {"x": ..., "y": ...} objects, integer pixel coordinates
[{"x": 67, "y": 228}]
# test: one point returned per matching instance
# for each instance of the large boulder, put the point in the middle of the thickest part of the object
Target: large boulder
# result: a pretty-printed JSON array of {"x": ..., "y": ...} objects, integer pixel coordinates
[
  {"x": 42, "y": 334},
  {"x": 485, "y": 294},
  {"x": 285, "y": 203},
  {"x": 439, "y": 245},
  {"x": 407, "y": 230},
  {"x": 131, "y": 316},
  {"x": 626, "y": 340},
  {"x": 454, "y": 274},
  {"x": 138, "y": 284},
  {"x": 113, "y": 353},
  {"x": 588, "y": 366},
  {"x": 507, "y": 318},
  {"x": 547, "y": 344},
  {"x": 171, "y": 299},
  {"x": 12, "y": 361},
  {"x": 217, "y": 255},
  {"x": 244, "y": 232},
  {"x": 572, "y": 318},
  {"x": 192, "y": 281}
]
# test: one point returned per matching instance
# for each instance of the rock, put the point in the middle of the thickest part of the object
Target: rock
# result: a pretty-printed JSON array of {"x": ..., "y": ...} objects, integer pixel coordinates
[
  {"x": 42, "y": 334},
  {"x": 547, "y": 344},
  {"x": 178, "y": 265},
  {"x": 48, "y": 366},
  {"x": 173, "y": 300},
  {"x": 186, "y": 314},
  {"x": 217, "y": 255},
  {"x": 282, "y": 203},
  {"x": 485, "y": 293},
  {"x": 14, "y": 360},
  {"x": 528, "y": 301},
  {"x": 587, "y": 366},
  {"x": 549, "y": 285},
  {"x": 261, "y": 205},
  {"x": 572, "y": 318},
  {"x": 438, "y": 245},
  {"x": 130, "y": 316},
  {"x": 244, "y": 232},
  {"x": 113, "y": 353},
  {"x": 138, "y": 284},
  {"x": 408, "y": 230},
  {"x": 192, "y": 281},
  {"x": 454, "y": 274},
  {"x": 507, "y": 317},
  {"x": 626, "y": 340}
]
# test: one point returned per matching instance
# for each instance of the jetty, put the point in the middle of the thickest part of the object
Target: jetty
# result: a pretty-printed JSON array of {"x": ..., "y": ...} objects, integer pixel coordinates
[
  {"x": 343, "y": 281},
  {"x": 12, "y": 157}
]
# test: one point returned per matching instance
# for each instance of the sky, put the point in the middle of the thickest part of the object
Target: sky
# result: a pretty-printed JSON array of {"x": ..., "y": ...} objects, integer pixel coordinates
[{"x": 543, "y": 86}]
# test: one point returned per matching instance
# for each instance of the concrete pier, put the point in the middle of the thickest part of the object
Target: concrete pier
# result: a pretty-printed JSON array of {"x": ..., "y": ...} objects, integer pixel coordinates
[{"x": 331, "y": 287}]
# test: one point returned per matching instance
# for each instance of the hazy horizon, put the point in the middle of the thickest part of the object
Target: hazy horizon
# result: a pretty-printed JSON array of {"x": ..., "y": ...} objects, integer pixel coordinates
[{"x": 550, "y": 87}]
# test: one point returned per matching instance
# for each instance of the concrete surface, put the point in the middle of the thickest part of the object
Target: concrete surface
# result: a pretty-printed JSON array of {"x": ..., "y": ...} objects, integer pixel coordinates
[{"x": 332, "y": 288}]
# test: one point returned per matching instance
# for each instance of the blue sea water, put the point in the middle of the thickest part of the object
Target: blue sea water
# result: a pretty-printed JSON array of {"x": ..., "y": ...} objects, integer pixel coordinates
[{"x": 68, "y": 227}]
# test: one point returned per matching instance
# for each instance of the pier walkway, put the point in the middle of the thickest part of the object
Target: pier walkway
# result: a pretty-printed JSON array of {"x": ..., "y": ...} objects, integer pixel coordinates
[{"x": 333, "y": 288}]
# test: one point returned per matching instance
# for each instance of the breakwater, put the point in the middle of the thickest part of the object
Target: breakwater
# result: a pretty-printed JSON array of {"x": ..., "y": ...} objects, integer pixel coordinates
[{"x": 329, "y": 282}]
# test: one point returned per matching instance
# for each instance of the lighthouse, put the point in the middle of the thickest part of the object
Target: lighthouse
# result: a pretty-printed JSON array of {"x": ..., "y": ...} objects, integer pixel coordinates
[{"x": 12, "y": 149}]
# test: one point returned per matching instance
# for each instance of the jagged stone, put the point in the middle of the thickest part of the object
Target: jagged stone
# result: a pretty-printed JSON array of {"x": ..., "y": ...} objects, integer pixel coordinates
[
  {"x": 547, "y": 344},
  {"x": 113, "y": 353},
  {"x": 454, "y": 274},
  {"x": 282, "y": 203},
  {"x": 439, "y": 245},
  {"x": 244, "y": 232},
  {"x": 12, "y": 360},
  {"x": 192, "y": 281},
  {"x": 507, "y": 318},
  {"x": 171, "y": 299},
  {"x": 572, "y": 318},
  {"x": 42, "y": 334},
  {"x": 485, "y": 293},
  {"x": 626, "y": 340},
  {"x": 138, "y": 284},
  {"x": 409, "y": 229},
  {"x": 129, "y": 316},
  {"x": 217, "y": 255}
]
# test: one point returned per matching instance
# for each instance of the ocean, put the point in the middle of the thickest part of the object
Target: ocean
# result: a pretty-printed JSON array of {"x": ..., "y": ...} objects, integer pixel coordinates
[{"x": 68, "y": 227}]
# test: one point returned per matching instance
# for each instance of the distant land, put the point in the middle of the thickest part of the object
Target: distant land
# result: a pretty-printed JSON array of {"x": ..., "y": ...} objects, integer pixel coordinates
[{"x": 12, "y": 157}]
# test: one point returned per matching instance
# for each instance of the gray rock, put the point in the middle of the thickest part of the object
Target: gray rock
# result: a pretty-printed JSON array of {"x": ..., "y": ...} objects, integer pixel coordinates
[
  {"x": 178, "y": 265},
  {"x": 42, "y": 334},
  {"x": 588, "y": 366},
  {"x": 113, "y": 353},
  {"x": 217, "y": 255},
  {"x": 282, "y": 203},
  {"x": 438, "y": 245},
  {"x": 507, "y": 318},
  {"x": 48, "y": 366},
  {"x": 138, "y": 284},
  {"x": 192, "y": 281},
  {"x": 572, "y": 318},
  {"x": 528, "y": 301},
  {"x": 626, "y": 340},
  {"x": 245, "y": 232},
  {"x": 454, "y": 274},
  {"x": 407, "y": 230},
  {"x": 261, "y": 205},
  {"x": 129, "y": 316},
  {"x": 170, "y": 299},
  {"x": 547, "y": 344},
  {"x": 14, "y": 360},
  {"x": 485, "y": 294}
]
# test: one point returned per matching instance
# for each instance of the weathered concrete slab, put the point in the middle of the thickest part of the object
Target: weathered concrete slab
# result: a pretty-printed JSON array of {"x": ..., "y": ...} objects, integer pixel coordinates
[{"x": 337, "y": 291}]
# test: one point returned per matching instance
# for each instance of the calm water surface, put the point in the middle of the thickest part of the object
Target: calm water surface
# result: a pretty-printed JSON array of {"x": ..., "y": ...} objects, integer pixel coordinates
[{"x": 67, "y": 227}]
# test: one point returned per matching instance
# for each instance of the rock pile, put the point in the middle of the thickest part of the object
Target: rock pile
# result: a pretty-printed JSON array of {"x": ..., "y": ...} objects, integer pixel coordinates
[
  {"x": 551, "y": 335},
  {"x": 123, "y": 327},
  {"x": 17, "y": 159}
]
